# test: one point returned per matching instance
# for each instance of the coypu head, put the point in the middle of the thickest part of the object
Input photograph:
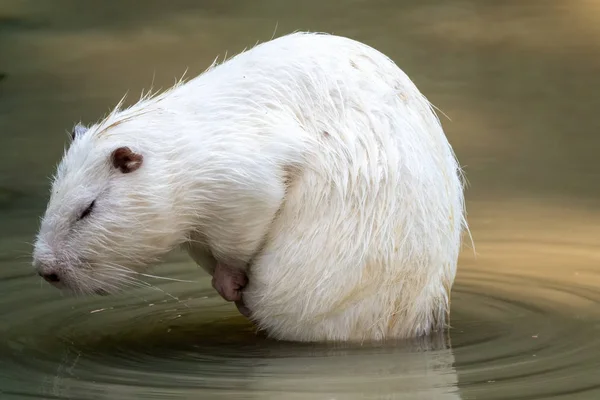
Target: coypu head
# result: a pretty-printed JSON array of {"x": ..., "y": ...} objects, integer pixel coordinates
[{"x": 111, "y": 210}]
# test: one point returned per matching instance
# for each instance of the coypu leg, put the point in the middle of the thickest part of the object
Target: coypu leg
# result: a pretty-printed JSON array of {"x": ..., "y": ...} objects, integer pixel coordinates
[{"x": 229, "y": 283}]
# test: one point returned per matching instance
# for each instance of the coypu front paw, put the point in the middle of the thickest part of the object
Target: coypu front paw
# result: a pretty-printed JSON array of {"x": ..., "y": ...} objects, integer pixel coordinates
[{"x": 229, "y": 283}]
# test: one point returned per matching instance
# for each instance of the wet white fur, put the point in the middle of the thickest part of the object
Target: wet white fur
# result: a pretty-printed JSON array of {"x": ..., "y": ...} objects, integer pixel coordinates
[{"x": 311, "y": 156}]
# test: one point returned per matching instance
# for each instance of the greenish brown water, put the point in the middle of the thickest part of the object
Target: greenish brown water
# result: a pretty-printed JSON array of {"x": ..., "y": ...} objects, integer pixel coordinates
[{"x": 518, "y": 79}]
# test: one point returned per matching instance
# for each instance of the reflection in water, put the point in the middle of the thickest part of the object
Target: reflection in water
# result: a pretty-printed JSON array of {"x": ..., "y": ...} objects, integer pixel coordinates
[
  {"x": 519, "y": 82},
  {"x": 262, "y": 370}
]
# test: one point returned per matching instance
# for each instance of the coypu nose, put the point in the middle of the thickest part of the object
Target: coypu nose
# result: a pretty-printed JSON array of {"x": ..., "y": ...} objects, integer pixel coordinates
[
  {"x": 52, "y": 278},
  {"x": 47, "y": 270}
]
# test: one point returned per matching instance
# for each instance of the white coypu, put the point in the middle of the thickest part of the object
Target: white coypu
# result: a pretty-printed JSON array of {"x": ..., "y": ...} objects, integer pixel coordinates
[{"x": 308, "y": 175}]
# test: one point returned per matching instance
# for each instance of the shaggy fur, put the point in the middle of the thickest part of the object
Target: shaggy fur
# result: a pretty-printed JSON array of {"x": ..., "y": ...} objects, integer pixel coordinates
[{"x": 312, "y": 160}]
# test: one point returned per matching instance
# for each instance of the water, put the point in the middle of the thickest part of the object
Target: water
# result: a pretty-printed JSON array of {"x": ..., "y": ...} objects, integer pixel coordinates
[{"x": 519, "y": 81}]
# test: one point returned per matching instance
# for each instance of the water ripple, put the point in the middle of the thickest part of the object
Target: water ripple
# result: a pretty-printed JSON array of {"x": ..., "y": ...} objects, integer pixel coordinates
[{"x": 515, "y": 334}]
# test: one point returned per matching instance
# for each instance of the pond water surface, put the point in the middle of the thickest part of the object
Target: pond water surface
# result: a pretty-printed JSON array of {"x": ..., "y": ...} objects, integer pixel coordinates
[{"x": 520, "y": 83}]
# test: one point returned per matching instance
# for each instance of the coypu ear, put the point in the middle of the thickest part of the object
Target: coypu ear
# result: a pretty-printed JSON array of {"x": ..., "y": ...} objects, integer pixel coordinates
[
  {"x": 78, "y": 130},
  {"x": 126, "y": 160}
]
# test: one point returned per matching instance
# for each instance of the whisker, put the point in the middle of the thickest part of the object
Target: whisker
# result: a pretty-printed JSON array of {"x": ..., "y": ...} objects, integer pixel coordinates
[
  {"x": 127, "y": 273},
  {"x": 123, "y": 283},
  {"x": 165, "y": 278}
]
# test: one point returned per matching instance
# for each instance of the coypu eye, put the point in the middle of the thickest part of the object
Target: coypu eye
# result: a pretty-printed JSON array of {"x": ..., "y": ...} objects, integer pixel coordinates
[{"x": 87, "y": 211}]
